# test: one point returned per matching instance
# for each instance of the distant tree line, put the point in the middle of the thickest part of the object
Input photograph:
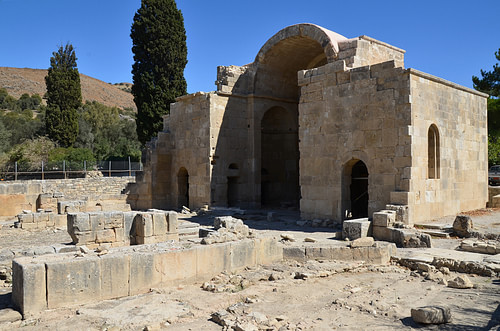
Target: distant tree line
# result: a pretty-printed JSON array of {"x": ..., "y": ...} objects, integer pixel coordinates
[
  {"x": 65, "y": 129},
  {"x": 490, "y": 83}
]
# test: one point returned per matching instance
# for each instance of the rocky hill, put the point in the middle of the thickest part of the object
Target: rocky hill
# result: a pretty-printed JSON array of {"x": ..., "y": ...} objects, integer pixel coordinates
[{"x": 25, "y": 80}]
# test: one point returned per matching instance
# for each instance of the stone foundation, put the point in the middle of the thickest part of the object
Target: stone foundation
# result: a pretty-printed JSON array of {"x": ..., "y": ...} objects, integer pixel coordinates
[
  {"x": 122, "y": 228},
  {"x": 62, "y": 280}
]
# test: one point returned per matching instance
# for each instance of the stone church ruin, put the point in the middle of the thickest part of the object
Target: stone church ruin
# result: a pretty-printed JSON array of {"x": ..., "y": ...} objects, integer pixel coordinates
[{"x": 334, "y": 127}]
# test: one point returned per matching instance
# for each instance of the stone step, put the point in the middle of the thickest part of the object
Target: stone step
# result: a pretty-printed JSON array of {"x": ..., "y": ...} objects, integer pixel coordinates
[
  {"x": 188, "y": 230},
  {"x": 436, "y": 233},
  {"x": 436, "y": 226}
]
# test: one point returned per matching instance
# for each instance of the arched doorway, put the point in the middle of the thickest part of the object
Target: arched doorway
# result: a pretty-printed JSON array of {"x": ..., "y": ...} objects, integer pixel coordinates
[
  {"x": 279, "y": 158},
  {"x": 183, "y": 187},
  {"x": 355, "y": 190}
]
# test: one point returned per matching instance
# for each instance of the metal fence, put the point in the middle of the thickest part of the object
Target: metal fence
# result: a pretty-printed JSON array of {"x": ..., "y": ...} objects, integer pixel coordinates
[{"x": 68, "y": 169}]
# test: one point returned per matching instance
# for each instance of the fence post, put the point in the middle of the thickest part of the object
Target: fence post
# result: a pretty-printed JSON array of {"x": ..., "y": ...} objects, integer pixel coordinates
[
  {"x": 43, "y": 177},
  {"x": 109, "y": 169},
  {"x": 85, "y": 168},
  {"x": 129, "y": 167},
  {"x": 15, "y": 171},
  {"x": 64, "y": 168}
]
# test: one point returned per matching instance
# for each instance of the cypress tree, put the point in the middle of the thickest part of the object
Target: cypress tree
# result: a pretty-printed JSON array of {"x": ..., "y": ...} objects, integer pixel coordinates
[
  {"x": 160, "y": 55},
  {"x": 64, "y": 96}
]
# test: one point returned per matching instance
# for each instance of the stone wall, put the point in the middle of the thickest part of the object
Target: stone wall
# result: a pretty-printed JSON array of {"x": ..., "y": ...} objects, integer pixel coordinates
[
  {"x": 349, "y": 115},
  {"x": 459, "y": 114},
  {"x": 23, "y": 195},
  {"x": 122, "y": 228},
  {"x": 62, "y": 280}
]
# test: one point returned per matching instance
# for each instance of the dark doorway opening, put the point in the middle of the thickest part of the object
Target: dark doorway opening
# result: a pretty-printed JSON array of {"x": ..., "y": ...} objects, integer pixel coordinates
[
  {"x": 232, "y": 191},
  {"x": 280, "y": 158},
  {"x": 359, "y": 190},
  {"x": 183, "y": 187}
]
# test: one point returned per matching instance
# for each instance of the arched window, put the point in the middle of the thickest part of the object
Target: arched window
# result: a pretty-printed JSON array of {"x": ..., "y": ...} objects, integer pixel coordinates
[{"x": 433, "y": 154}]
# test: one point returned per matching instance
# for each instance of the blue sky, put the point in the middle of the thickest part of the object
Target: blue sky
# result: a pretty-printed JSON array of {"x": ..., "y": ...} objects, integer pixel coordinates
[{"x": 449, "y": 39}]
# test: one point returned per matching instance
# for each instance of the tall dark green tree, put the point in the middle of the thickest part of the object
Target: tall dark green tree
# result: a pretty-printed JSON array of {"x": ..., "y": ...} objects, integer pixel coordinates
[
  {"x": 64, "y": 96},
  {"x": 160, "y": 55},
  {"x": 490, "y": 83}
]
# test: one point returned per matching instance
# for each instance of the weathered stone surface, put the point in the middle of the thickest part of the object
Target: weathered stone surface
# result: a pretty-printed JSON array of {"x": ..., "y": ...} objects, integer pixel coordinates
[
  {"x": 29, "y": 286},
  {"x": 431, "y": 315},
  {"x": 8, "y": 315},
  {"x": 363, "y": 242},
  {"x": 463, "y": 226},
  {"x": 357, "y": 228},
  {"x": 461, "y": 282}
]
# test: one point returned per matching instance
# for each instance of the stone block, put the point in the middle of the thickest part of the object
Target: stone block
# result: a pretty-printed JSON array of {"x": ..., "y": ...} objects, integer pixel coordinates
[
  {"x": 145, "y": 272},
  {"x": 242, "y": 254},
  {"x": 28, "y": 286},
  {"x": 73, "y": 281},
  {"x": 120, "y": 236},
  {"x": 97, "y": 221},
  {"x": 172, "y": 236},
  {"x": 143, "y": 225},
  {"x": 342, "y": 254},
  {"x": 382, "y": 233},
  {"x": 60, "y": 221},
  {"x": 29, "y": 226},
  {"x": 113, "y": 220},
  {"x": 363, "y": 242},
  {"x": 172, "y": 221},
  {"x": 356, "y": 228},
  {"x": 402, "y": 213},
  {"x": 462, "y": 226},
  {"x": 268, "y": 250},
  {"x": 114, "y": 276},
  {"x": 294, "y": 253},
  {"x": 25, "y": 218},
  {"x": 78, "y": 222},
  {"x": 384, "y": 218},
  {"x": 431, "y": 315},
  {"x": 105, "y": 236},
  {"x": 177, "y": 266},
  {"x": 360, "y": 253},
  {"x": 160, "y": 226},
  {"x": 211, "y": 260}
]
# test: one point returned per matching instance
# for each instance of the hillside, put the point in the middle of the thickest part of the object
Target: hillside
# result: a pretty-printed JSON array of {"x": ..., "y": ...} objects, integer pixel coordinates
[{"x": 25, "y": 80}]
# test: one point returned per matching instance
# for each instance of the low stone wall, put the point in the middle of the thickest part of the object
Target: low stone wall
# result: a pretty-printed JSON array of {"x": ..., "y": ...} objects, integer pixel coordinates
[
  {"x": 379, "y": 253},
  {"x": 122, "y": 228},
  {"x": 62, "y": 280},
  {"x": 34, "y": 194},
  {"x": 41, "y": 220}
]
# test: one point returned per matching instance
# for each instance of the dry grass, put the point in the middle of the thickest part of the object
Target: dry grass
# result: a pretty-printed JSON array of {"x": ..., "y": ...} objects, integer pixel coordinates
[{"x": 24, "y": 80}]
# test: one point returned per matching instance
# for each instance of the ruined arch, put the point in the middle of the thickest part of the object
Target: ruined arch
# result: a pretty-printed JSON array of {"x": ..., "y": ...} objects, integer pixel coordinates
[{"x": 297, "y": 47}]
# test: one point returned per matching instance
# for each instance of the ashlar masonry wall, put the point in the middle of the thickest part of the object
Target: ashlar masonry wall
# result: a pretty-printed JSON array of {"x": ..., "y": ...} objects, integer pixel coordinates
[
  {"x": 347, "y": 115},
  {"x": 459, "y": 114}
]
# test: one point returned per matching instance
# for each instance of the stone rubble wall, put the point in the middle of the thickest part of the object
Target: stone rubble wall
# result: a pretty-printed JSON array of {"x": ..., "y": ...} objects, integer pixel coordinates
[
  {"x": 44, "y": 194},
  {"x": 122, "y": 228},
  {"x": 54, "y": 281}
]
